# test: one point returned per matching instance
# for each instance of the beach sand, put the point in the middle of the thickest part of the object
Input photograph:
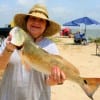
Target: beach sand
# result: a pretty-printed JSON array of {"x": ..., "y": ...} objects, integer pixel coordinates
[{"x": 85, "y": 59}]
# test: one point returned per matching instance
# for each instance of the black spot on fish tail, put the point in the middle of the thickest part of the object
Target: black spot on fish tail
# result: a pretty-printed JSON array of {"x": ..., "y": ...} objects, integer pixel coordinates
[{"x": 85, "y": 82}]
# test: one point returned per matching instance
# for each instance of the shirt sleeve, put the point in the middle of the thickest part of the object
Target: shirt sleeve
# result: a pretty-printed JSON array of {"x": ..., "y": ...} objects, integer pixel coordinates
[
  {"x": 49, "y": 46},
  {"x": 52, "y": 48}
]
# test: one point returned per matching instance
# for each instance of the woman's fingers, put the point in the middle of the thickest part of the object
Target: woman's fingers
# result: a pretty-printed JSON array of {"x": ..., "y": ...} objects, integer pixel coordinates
[
  {"x": 9, "y": 46},
  {"x": 62, "y": 77},
  {"x": 58, "y": 75},
  {"x": 55, "y": 73}
]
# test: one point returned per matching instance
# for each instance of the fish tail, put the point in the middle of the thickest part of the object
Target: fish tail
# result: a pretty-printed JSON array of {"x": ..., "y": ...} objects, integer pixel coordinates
[{"x": 90, "y": 85}]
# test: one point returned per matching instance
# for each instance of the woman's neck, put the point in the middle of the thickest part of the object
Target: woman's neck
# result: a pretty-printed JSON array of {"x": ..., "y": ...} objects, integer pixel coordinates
[{"x": 38, "y": 39}]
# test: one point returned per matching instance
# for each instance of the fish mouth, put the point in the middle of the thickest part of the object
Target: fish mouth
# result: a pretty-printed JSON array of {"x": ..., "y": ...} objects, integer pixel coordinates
[
  {"x": 18, "y": 37},
  {"x": 19, "y": 47}
]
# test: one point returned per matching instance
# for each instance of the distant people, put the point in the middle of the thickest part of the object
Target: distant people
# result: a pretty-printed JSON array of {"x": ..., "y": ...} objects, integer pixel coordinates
[
  {"x": 83, "y": 38},
  {"x": 80, "y": 38},
  {"x": 77, "y": 38}
]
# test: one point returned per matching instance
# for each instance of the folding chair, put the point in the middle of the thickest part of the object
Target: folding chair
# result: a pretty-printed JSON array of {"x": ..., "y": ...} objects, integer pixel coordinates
[{"x": 97, "y": 48}]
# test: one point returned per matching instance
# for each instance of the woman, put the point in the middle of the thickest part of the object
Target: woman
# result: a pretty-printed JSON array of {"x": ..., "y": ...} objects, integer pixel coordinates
[{"x": 21, "y": 82}]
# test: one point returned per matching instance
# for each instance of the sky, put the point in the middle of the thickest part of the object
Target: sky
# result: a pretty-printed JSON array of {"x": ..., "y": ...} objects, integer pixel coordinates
[{"x": 59, "y": 10}]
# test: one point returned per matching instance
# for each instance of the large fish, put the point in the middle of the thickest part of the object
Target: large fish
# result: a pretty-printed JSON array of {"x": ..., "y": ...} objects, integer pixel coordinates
[{"x": 42, "y": 61}]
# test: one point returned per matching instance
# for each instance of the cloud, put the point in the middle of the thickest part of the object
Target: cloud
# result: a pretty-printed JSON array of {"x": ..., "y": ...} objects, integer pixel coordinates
[
  {"x": 28, "y": 3},
  {"x": 60, "y": 13},
  {"x": 42, "y": 1},
  {"x": 3, "y": 8},
  {"x": 5, "y": 15},
  {"x": 57, "y": 11},
  {"x": 22, "y": 2}
]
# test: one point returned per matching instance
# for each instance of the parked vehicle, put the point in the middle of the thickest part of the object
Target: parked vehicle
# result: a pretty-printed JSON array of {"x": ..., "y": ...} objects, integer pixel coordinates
[{"x": 5, "y": 31}]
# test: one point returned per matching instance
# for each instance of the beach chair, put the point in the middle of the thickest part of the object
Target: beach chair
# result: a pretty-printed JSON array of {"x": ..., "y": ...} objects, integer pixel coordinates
[{"x": 97, "y": 49}]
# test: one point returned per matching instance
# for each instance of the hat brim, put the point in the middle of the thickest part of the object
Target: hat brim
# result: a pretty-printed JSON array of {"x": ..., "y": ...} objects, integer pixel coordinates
[{"x": 19, "y": 20}]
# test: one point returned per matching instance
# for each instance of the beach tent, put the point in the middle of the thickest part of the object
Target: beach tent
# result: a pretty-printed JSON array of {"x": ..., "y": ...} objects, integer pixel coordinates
[{"x": 86, "y": 21}]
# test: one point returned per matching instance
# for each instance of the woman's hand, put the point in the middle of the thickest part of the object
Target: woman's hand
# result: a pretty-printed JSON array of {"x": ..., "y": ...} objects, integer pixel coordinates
[
  {"x": 57, "y": 77},
  {"x": 10, "y": 47},
  {"x": 5, "y": 56}
]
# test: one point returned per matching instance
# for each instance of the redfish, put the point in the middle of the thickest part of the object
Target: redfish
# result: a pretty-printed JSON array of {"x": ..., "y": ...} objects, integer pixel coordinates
[{"x": 43, "y": 61}]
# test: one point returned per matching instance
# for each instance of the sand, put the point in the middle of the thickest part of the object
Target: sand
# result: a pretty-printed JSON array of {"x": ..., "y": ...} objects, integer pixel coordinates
[{"x": 86, "y": 61}]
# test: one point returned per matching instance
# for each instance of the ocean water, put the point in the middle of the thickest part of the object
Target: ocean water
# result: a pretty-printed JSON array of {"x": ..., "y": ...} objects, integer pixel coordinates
[{"x": 90, "y": 33}]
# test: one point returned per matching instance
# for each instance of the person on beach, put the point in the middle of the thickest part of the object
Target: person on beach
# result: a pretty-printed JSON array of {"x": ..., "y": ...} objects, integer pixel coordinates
[
  {"x": 77, "y": 38},
  {"x": 21, "y": 82}
]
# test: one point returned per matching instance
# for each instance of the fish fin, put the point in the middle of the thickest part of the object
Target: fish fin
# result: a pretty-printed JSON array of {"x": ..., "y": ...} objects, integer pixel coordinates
[{"x": 90, "y": 86}]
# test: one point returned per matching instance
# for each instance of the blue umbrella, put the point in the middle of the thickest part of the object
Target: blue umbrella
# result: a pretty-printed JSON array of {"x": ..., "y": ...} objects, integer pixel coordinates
[
  {"x": 86, "y": 21},
  {"x": 71, "y": 23}
]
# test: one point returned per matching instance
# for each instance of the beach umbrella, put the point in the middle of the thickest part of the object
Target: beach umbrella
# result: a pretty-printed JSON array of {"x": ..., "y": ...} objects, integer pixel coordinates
[
  {"x": 86, "y": 21},
  {"x": 71, "y": 23}
]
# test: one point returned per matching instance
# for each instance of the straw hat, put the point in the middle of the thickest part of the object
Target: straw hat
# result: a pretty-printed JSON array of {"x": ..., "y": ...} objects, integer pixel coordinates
[{"x": 39, "y": 11}]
